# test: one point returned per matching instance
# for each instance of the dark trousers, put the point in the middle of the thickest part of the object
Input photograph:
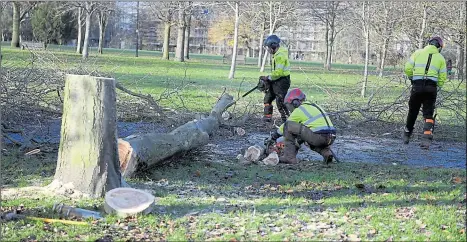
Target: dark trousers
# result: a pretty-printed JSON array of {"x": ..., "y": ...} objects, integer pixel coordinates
[
  {"x": 277, "y": 90},
  {"x": 423, "y": 94},
  {"x": 317, "y": 142}
]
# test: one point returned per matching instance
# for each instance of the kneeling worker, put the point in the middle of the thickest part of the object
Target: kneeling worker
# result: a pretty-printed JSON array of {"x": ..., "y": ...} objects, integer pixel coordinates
[{"x": 307, "y": 123}]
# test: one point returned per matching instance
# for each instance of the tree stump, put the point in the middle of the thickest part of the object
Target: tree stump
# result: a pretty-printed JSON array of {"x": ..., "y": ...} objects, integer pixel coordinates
[
  {"x": 153, "y": 148},
  {"x": 87, "y": 157},
  {"x": 126, "y": 202}
]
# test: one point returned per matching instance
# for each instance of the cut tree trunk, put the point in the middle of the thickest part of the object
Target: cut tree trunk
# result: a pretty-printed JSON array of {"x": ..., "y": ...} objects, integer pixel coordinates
[
  {"x": 153, "y": 148},
  {"x": 16, "y": 24},
  {"x": 87, "y": 157}
]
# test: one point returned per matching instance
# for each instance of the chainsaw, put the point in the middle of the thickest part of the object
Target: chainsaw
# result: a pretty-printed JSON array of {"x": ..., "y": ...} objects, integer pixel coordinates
[
  {"x": 274, "y": 146},
  {"x": 261, "y": 86}
]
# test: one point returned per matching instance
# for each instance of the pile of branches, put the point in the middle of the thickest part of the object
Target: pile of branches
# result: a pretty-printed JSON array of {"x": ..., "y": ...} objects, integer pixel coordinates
[
  {"x": 32, "y": 88},
  {"x": 385, "y": 108}
]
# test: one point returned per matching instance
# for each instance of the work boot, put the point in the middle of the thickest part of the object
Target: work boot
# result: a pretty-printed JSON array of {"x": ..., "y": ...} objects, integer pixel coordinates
[
  {"x": 327, "y": 155},
  {"x": 267, "y": 119},
  {"x": 427, "y": 133},
  {"x": 426, "y": 141},
  {"x": 289, "y": 155},
  {"x": 406, "y": 136},
  {"x": 268, "y": 109}
]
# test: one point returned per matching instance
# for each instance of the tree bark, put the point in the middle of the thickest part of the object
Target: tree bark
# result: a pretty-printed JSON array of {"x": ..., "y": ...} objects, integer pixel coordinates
[
  {"x": 165, "y": 47},
  {"x": 137, "y": 29},
  {"x": 367, "y": 47},
  {"x": 79, "y": 48},
  {"x": 234, "y": 52},
  {"x": 102, "y": 25},
  {"x": 326, "y": 37},
  {"x": 187, "y": 36},
  {"x": 16, "y": 24},
  {"x": 260, "y": 43},
  {"x": 422, "y": 29},
  {"x": 87, "y": 31},
  {"x": 271, "y": 30},
  {"x": 87, "y": 157},
  {"x": 153, "y": 148},
  {"x": 179, "y": 55},
  {"x": 384, "y": 52}
]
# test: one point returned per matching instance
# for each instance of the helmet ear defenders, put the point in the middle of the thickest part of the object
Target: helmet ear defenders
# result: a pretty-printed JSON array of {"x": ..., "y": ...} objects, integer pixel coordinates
[{"x": 296, "y": 103}]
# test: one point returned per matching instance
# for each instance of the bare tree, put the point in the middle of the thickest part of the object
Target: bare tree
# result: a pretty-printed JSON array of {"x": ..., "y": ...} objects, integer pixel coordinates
[
  {"x": 423, "y": 25},
  {"x": 363, "y": 17},
  {"x": 279, "y": 13},
  {"x": 104, "y": 10},
  {"x": 260, "y": 42},
  {"x": 386, "y": 18},
  {"x": 179, "y": 55},
  {"x": 328, "y": 13},
  {"x": 452, "y": 27},
  {"x": 137, "y": 29},
  {"x": 235, "y": 9},
  {"x": 164, "y": 11},
  {"x": 79, "y": 46},
  {"x": 187, "y": 30},
  {"x": 89, "y": 8},
  {"x": 20, "y": 10}
]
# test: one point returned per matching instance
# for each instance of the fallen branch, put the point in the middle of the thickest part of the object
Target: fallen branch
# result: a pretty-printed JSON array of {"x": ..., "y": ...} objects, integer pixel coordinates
[
  {"x": 148, "y": 97},
  {"x": 153, "y": 148}
]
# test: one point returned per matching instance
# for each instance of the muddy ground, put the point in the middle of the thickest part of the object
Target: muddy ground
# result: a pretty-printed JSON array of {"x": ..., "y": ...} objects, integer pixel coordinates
[{"x": 226, "y": 145}]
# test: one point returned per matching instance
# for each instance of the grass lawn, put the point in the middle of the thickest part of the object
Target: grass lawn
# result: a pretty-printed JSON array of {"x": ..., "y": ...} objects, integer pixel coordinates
[
  {"x": 198, "y": 199},
  {"x": 204, "y": 75},
  {"x": 196, "y": 84},
  {"x": 201, "y": 197}
]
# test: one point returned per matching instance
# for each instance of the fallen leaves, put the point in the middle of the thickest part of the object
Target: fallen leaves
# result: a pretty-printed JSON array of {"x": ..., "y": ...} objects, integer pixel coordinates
[
  {"x": 405, "y": 212},
  {"x": 457, "y": 180}
]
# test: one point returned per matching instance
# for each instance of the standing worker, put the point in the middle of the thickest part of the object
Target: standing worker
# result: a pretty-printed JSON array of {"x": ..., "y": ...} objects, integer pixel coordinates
[
  {"x": 309, "y": 124},
  {"x": 426, "y": 69},
  {"x": 278, "y": 82}
]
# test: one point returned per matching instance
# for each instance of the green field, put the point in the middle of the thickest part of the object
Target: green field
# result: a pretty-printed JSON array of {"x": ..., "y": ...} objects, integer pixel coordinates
[
  {"x": 204, "y": 75},
  {"x": 205, "y": 198},
  {"x": 196, "y": 84}
]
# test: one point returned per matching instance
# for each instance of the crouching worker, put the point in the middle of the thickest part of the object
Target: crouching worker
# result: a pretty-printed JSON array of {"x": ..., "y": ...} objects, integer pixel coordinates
[{"x": 308, "y": 123}]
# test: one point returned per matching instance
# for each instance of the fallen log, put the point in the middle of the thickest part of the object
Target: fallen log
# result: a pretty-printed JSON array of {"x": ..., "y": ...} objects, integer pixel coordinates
[{"x": 153, "y": 148}]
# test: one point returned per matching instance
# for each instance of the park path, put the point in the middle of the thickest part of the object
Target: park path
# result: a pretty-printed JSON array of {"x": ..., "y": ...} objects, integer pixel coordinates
[{"x": 347, "y": 148}]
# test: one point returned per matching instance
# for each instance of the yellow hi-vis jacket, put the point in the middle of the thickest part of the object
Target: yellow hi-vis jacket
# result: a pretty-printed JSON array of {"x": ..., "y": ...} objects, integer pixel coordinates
[
  {"x": 415, "y": 66},
  {"x": 311, "y": 117},
  {"x": 280, "y": 64}
]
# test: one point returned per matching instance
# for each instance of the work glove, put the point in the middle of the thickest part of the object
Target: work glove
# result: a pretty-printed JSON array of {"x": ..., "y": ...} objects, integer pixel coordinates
[
  {"x": 271, "y": 139},
  {"x": 275, "y": 135}
]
